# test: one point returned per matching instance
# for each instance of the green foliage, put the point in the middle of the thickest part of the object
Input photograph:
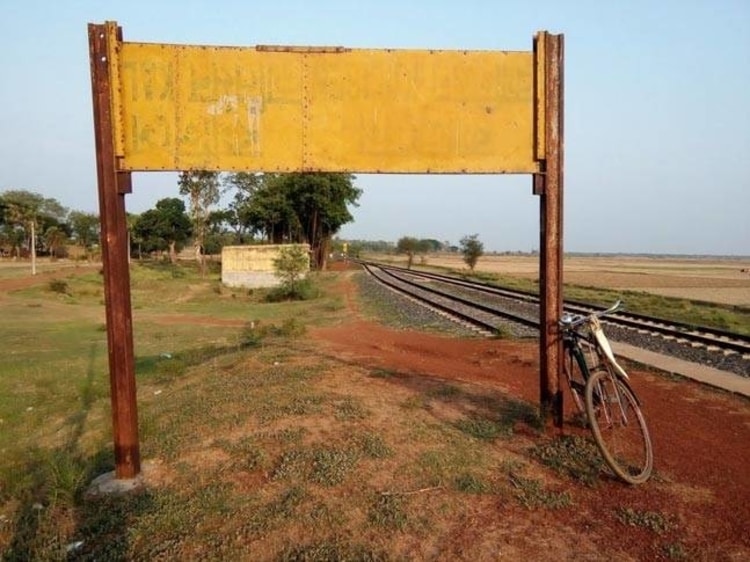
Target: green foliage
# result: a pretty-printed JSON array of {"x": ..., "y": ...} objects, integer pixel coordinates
[
  {"x": 482, "y": 428},
  {"x": 653, "y": 521},
  {"x": 301, "y": 207},
  {"x": 59, "y": 286},
  {"x": 388, "y": 512},
  {"x": 23, "y": 212},
  {"x": 202, "y": 189},
  {"x": 472, "y": 249},
  {"x": 574, "y": 456},
  {"x": 471, "y": 484},
  {"x": 531, "y": 493},
  {"x": 85, "y": 228},
  {"x": 290, "y": 266},
  {"x": 332, "y": 552},
  {"x": 304, "y": 289},
  {"x": 166, "y": 227}
]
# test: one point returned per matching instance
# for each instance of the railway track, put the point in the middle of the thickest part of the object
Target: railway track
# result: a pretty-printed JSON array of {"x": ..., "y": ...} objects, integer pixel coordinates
[{"x": 491, "y": 309}]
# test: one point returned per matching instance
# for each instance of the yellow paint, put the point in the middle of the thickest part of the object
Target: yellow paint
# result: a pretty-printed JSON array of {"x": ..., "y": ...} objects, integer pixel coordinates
[
  {"x": 394, "y": 111},
  {"x": 540, "y": 42}
]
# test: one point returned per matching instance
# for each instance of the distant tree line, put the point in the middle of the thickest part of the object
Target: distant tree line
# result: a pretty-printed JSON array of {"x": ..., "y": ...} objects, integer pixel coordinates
[
  {"x": 263, "y": 208},
  {"x": 275, "y": 208}
]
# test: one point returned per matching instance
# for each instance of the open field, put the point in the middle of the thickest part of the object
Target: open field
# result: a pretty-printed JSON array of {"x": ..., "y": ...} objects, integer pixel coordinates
[
  {"x": 705, "y": 279},
  {"x": 309, "y": 431}
]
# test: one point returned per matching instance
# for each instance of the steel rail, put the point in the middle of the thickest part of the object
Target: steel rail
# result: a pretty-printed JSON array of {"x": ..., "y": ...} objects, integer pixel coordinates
[
  {"x": 370, "y": 268},
  {"x": 709, "y": 337}
]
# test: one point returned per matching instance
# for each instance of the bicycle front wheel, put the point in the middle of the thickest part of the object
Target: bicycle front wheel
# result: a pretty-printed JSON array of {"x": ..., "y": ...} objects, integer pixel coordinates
[{"x": 619, "y": 427}]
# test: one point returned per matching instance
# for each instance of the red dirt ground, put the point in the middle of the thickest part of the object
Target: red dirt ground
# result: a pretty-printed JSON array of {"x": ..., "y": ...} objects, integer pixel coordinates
[
  {"x": 701, "y": 441},
  {"x": 701, "y": 438}
]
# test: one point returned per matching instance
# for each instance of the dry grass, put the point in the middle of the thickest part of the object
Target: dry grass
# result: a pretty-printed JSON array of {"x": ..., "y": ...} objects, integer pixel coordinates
[{"x": 705, "y": 279}]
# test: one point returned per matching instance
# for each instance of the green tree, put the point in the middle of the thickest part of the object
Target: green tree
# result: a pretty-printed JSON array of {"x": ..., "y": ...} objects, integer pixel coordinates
[
  {"x": 166, "y": 227},
  {"x": 472, "y": 249},
  {"x": 203, "y": 191},
  {"x": 270, "y": 213},
  {"x": 320, "y": 202},
  {"x": 85, "y": 228},
  {"x": 290, "y": 266},
  {"x": 25, "y": 211},
  {"x": 245, "y": 186},
  {"x": 55, "y": 239},
  {"x": 408, "y": 245}
]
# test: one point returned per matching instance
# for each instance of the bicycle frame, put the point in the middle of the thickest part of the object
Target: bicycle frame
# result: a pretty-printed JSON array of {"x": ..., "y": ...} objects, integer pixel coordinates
[
  {"x": 611, "y": 407},
  {"x": 572, "y": 338}
]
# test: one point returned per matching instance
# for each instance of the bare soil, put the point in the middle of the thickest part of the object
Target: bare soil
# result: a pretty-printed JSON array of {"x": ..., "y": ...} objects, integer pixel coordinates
[{"x": 701, "y": 439}]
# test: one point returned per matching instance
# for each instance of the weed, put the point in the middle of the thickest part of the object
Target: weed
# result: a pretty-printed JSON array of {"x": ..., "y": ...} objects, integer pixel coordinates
[
  {"x": 503, "y": 333},
  {"x": 387, "y": 511},
  {"x": 59, "y": 286},
  {"x": 483, "y": 428},
  {"x": 303, "y": 290},
  {"x": 373, "y": 446},
  {"x": 655, "y": 522},
  {"x": 445, "y": 391},
  {"x": 331, "y": 466},
  {"x": 471, "y": 484},
  {"x": 531, "y": 493},
  {"x": 255, "y": 332},
  {"x": 573, "y": 456},
  {"x": 331, "y": 552},
  {"x": 442, "y": 467},
  {"x": 349, "y": 409},
  {"x": 382, "y": 373},
  {"x": 66, "y": 476},
  {"x": 284, "y": 506},
  {"x": 675, "y": 551},
  {"x": 246, "y": 455},
  {"x": 293, "y": 464}
]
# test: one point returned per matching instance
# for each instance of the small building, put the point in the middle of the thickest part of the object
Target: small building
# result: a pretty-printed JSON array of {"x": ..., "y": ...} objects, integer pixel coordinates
[{"x": 252, "y": 266}]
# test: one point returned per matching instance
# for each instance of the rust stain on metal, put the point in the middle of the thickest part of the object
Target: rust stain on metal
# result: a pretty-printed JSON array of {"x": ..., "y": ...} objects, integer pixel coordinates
[
  {"x": 550, "y": 187},
  {"x": 114, "y": 257}
]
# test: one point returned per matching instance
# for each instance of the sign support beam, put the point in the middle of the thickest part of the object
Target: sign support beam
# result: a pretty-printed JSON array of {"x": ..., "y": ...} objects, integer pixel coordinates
[
  {"x": 113, "y": 186},
  {"x": 548, "y": 184}
]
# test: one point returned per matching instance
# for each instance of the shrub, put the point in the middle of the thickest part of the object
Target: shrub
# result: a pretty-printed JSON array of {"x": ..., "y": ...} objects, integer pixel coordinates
[{"x": 59, "y": 286}]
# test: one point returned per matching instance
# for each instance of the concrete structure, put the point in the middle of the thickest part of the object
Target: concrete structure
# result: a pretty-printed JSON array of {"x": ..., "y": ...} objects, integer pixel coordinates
[{"x": 252, "y": 266}]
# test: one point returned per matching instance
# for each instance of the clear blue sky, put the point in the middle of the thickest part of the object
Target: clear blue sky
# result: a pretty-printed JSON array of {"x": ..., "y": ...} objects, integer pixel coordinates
[{"x": 657, "y": 120}]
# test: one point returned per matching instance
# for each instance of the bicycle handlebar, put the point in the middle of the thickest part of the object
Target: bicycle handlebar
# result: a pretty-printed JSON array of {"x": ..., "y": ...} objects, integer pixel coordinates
[{"x": 572, "y": 320}]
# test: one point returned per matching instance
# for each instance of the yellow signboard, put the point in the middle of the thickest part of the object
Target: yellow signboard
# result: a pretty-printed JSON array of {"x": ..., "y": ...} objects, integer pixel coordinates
[{"x": 276, "y": 109}]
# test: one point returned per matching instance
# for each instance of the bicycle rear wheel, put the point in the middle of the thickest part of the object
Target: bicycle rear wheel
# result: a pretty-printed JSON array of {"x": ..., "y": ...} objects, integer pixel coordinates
[{"x": 619, "y": 427}]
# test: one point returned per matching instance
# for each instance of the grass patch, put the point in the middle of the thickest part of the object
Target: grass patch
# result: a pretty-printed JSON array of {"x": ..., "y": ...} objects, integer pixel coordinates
[
  {"x": 470, "y": 483},
  {"x": 532, "y": 494},
  {"x": 387, "y": 511},
  {"x": 572, "y": 456},
  {"x": 655, "y": 522},
  {"x": 484, "y": 429},
  {"x": 324, "y": 465},
  {"x": 349, "y": 409},
  {"x": 337, "y": 551}
]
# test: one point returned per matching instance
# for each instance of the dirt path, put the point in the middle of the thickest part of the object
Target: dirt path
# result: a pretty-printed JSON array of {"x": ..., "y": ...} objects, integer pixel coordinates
[{"x": 701, "y": 438}]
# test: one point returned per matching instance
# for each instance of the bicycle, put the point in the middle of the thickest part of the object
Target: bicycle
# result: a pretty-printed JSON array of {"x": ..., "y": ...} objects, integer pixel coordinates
[{"x": 601, "y": 392}]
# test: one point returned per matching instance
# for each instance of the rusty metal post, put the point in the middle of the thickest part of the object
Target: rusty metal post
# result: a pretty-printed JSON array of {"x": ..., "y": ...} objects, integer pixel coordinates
[
  {"x": 112, "y": 189},
  {"x": 548, "y": 184}
]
